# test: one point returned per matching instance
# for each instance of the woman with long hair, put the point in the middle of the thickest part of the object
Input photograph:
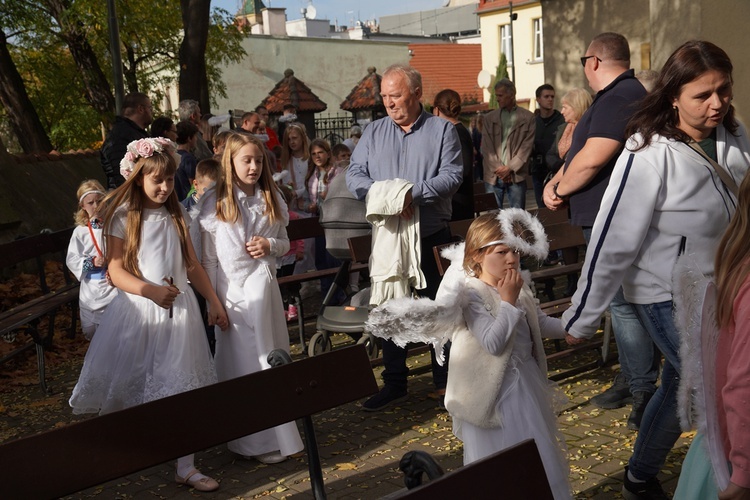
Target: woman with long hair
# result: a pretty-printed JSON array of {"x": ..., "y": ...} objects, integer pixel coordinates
[{"x": 671, "y": 194}]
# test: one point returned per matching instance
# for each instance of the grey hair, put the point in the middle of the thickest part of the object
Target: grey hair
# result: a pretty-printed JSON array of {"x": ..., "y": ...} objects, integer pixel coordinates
[
  {"x": 187, "y": 108},
  {"x": 506, "y": 84},
  {"x": 412, "y": 76}
]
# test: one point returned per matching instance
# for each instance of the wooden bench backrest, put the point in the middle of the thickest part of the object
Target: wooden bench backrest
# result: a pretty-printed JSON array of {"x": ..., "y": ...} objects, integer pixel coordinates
[
  {"x": 17, "y": 251},
  {"x": 484, "y": 202},
  {"x": 516, "y": 473},
  {"x": 459, "y": 228},
  {"x": 300, "y": 229},
  {"x": 88, "y": 453},
  {"x": 360, "y": 248}
]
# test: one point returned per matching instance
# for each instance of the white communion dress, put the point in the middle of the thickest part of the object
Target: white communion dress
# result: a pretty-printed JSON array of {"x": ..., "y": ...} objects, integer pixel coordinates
[
  {"x": 524, "y": 404},
  {"x": 140, "y": 353},
  {"x": 252, "y": 299}
]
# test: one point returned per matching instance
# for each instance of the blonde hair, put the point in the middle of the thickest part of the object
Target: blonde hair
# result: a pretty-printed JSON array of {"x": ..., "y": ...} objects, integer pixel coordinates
[
  {"x": 286, "y": 153},
  {"x": 484, "y": 229},
  {"x": 80, "y": 216},
  {"x": 732, "y": 266},
  {"x": 131, "y": 196},
  {"x": 579, "y": 101},
  {"x": 227, "y": 209}
]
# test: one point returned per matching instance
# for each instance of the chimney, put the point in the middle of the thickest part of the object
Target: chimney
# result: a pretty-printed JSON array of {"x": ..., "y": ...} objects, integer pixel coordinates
[{"x": 274, "y": 21}]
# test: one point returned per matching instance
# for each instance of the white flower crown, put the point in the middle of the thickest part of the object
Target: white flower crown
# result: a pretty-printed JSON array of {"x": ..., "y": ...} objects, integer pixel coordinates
[{"x": 144, "y": 148}]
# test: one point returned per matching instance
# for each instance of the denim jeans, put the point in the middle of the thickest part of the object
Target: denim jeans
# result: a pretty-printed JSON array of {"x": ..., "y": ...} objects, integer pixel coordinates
[
  {"x": 395, "y": 370},
  {"x": 660, "y": 427},
  {"x": 639, "y": 358},
  {"x": 516, "y": 193}
]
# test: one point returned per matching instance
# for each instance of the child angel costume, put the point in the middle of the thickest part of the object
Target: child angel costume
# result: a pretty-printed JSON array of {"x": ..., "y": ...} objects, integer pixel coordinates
[
  {"x": 252, "y": 300},
  {"x": 140, "y": 353},
  {"x": 498, "y": 393}
]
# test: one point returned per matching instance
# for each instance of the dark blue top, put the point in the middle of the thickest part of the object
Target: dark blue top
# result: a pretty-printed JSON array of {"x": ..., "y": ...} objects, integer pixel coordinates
[
  {"x": 607, "y": 117},
  {"x": 185, "y": 173}
]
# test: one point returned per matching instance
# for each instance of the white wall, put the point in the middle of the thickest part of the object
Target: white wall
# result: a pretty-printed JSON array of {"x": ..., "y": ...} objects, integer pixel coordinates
[{"x": 529, "y": 73}]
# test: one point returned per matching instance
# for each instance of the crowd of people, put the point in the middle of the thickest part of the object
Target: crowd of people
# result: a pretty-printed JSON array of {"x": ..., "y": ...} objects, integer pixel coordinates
[{"x": 652, "y": 167}]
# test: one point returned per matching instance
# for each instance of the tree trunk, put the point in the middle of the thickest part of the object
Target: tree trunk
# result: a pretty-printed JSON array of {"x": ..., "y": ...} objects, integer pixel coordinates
[
  {"x": 193, "y": 79},
  {"x": 98, "y": 91},
  {"x": 23, "y": 117}
]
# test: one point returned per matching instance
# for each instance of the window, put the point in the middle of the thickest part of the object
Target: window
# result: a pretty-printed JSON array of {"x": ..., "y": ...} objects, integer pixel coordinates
[
  {"x": 505, "y": 43},
  {"x": 538, "y": 40}
]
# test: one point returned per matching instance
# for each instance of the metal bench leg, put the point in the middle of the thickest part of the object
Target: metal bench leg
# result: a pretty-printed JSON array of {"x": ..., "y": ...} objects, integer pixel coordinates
[
  {"x": 40, "y": 367},
  {"x": 300, "y": 322},
  {"x": 279, "y": 357}
]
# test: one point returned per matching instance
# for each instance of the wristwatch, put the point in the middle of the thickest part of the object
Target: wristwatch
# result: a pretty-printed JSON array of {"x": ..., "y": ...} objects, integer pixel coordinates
[{"x": 554, "y": 190}]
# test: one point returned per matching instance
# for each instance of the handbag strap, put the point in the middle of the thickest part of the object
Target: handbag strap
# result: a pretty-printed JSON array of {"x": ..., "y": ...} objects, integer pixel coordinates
[{"x": 723, "y": 174}]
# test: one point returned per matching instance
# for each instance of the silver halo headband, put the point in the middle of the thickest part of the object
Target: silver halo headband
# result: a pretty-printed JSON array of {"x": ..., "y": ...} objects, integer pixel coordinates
[
  {"x": 80, "y": 200},
  {"x": 510, "y": 216}
]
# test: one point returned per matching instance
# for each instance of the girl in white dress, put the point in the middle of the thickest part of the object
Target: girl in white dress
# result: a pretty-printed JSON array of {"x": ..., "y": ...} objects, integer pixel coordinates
[
  {"x": 498, "y": 393},
  {"x": 243, "y": 229},
  {"x": 151, "y": 342},
  {"x": 85, "y": 257}
]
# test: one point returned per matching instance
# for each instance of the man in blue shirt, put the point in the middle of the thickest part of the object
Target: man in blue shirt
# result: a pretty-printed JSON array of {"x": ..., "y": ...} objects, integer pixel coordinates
[{"x": 423, "y": 149}]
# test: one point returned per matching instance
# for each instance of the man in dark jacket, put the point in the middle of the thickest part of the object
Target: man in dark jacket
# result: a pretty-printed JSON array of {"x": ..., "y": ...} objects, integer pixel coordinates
[
  {"x": 547, "y": 121},
  {"x": 137, "y": 114}
]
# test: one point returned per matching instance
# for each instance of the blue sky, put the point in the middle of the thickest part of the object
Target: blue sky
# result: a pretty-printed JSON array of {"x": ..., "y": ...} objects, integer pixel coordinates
[{"x": 343, "y": 10}]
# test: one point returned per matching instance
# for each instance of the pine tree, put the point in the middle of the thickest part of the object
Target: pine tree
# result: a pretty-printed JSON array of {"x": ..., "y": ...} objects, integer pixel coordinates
[{"x": 502, "y": 72}]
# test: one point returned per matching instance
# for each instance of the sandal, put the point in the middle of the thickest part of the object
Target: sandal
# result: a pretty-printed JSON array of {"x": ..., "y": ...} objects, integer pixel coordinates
[{"x": 203, "y": 484}]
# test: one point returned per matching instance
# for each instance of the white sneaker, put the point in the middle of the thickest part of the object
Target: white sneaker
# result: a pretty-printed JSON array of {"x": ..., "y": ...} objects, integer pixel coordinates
[{"x": 273, "y": 457}]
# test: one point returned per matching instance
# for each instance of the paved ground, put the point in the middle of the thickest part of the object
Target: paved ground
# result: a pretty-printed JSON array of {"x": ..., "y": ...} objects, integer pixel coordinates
[{"x": 360, "y": 451}]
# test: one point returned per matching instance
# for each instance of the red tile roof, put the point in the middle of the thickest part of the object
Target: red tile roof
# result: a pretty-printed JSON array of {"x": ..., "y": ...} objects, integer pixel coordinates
[
  {"x": 291, "y": 90},
  {"x": 366, "y": 94},
  {"x": 492, "y": 5},
  {"x": 448, "y": 66}
]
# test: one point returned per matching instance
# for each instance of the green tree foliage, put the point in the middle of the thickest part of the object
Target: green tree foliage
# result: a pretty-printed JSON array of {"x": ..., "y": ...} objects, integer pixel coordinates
[
  {"x": 500, "y": 73},
  {"x": 41, "y": 34}
]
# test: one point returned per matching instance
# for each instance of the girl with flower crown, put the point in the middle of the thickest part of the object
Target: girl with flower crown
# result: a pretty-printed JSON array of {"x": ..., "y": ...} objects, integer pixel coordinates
[
  {"x": 151, "y": 342},
  {"x": 243, "y": 231},
  {"x": 497, "y": 393},
  {"x": 85, "y": 258}
]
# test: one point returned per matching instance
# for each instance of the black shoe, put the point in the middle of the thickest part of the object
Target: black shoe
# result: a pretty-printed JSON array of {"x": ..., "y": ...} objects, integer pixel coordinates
[
  {"x": 650, "y": 490},
  {"x": 385, "y": 398},
  {"x": 640, "y": 400},
  {"x": 616, "y": 396}
]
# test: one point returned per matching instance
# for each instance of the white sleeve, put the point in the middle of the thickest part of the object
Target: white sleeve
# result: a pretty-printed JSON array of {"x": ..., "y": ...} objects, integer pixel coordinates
[
  {"x": 77, "y": 253},
  {"x": 493, "y": 333},
  {"x": 620, "y": 228},
  {"x": 209, "y": 260},
  {"x": 279, "y": 245}
]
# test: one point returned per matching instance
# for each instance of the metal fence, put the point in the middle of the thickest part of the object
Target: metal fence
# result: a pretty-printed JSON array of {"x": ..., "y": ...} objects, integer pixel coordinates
[{"x": 334, "y": 128}]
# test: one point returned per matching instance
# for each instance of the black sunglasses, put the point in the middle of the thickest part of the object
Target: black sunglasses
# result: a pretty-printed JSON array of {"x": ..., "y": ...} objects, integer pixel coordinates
[{"x": 583, "y": 60}]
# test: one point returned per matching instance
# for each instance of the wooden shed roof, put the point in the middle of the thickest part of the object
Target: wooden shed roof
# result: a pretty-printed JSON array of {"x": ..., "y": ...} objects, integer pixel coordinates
[
  {"x": 292, "y": 90},
  {"x": 366, "y": 94}
]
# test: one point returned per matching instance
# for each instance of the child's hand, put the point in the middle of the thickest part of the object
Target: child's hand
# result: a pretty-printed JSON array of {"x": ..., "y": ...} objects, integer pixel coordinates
[
  {"x": 163, "y": 296},
  {"x": 99, "y": 261},
  {"x": 509, "y": 286},
  {"x": 571, "y": 340},
  {"x": 258, "y": 247},
  {"x": 217, "y": 315},
  {"x": 299, "y": 256}
]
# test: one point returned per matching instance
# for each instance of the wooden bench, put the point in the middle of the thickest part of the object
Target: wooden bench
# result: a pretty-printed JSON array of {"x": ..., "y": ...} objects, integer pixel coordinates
[
  {"x": 94, "y": 451},
  {"x": 26, "y": 317},
  {"x": 516, "y": 473}
]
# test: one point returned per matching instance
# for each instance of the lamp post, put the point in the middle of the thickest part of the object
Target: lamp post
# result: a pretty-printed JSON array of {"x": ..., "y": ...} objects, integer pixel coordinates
[{"x": 513, "y": 17}]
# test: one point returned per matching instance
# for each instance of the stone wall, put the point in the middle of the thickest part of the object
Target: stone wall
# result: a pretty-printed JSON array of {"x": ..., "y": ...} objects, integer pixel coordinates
[{"x": 39, "y": 191}]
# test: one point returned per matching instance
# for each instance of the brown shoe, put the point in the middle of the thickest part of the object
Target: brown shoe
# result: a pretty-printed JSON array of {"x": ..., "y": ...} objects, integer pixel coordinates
[{"x": 205, "y": 483}]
